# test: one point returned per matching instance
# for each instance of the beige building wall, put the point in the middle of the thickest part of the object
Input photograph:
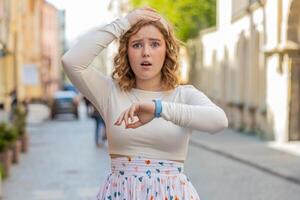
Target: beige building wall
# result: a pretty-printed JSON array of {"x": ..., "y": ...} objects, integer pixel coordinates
[
  {"x": 6, "y": 72},
  {"x": 50, "y": 49},
  {"x": 248, "y": 64},
  {"x": 23, "y": 47},
  {"x": 30, "y": 49},
  {"x": 21, "y": 34}
]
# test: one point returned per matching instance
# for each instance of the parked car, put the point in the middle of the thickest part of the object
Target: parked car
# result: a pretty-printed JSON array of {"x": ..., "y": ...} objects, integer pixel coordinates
[
  {"x": 69, "y": 87},
  {"x": 64, "y": 102}
]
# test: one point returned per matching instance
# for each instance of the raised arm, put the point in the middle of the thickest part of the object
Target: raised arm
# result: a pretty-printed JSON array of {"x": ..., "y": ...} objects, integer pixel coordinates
[
  {"x": 199, "y": 113},
  {"x": 76, "y": 62}
]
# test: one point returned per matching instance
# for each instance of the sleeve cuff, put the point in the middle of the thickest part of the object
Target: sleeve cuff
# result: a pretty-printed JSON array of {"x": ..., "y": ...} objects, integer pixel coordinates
[
  {"x": 164, "y": 112},
  {"x": 125, "y": 23},
  {"x": 118, "y": 27}
]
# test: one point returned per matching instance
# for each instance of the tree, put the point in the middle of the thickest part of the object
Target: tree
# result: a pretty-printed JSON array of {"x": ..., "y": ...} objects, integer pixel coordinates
[{"x": 187, "y": 16}]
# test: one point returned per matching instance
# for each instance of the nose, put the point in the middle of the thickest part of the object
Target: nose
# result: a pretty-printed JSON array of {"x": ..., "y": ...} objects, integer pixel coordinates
[{"x": 146, "y": 51}]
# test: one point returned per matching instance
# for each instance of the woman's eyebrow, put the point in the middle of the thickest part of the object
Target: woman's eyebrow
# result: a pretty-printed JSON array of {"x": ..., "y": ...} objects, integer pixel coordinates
[
  {"x": 136, "y": 41},
  {"x": 155, "y": 39},
  {"x": 152, "y": 39}
]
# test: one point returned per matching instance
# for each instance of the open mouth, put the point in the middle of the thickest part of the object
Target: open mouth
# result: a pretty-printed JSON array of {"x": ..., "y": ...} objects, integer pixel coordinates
[{"x": 146, "y": 64}]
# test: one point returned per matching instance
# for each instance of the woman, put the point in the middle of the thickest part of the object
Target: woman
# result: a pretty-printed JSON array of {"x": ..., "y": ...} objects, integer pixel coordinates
[
  {"x": 147, "y": 155},
  {"x": 100, "y": 134}
]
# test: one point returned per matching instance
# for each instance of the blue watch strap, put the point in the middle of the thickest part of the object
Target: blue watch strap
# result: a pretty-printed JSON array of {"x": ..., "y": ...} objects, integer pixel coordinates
[{"x": 158, "y": 108}]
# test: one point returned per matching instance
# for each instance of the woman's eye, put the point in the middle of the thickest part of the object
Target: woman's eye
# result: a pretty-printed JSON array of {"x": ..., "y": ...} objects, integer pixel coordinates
[
  {"x": 155, "y": 44},
  {"x": 137, "y": 45}
]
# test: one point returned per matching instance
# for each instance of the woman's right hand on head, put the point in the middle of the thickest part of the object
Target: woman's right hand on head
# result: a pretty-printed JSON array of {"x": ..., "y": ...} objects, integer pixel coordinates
[{"x": 145, "y": 13}]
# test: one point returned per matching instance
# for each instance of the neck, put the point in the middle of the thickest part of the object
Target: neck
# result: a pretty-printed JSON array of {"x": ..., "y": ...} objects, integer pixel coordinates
[{"x": 149, "y": 85}]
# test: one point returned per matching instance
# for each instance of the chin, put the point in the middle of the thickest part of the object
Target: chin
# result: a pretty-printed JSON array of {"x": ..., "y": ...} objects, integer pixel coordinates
[{"x": 145, "y": 77}]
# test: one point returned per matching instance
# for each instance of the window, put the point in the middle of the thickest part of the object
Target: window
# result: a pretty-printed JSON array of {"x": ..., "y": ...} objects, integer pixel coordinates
[{"x": 239, "y": 7}]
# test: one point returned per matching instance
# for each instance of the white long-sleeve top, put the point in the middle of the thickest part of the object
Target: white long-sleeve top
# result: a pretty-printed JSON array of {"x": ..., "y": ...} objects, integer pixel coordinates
[{"x": 183, "y": 109}]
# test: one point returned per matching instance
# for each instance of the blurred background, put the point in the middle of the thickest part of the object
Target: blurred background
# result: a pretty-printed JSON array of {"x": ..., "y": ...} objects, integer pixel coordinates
[{"x": 243, "y": 54}]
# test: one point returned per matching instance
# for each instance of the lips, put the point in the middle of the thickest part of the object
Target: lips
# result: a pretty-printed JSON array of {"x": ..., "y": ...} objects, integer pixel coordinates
[{"x": 146, "y": 63}]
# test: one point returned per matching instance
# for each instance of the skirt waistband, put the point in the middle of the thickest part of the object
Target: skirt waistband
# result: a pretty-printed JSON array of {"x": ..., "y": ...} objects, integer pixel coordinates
[{"x": 145, "y": 166}]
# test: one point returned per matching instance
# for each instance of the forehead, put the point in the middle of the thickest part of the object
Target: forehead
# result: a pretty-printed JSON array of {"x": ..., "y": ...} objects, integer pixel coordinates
[{"x": 147, "y": 32}]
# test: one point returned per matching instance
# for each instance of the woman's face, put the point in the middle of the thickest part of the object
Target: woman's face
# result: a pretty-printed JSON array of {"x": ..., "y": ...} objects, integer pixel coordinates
[{"x": 146, "y": 53}]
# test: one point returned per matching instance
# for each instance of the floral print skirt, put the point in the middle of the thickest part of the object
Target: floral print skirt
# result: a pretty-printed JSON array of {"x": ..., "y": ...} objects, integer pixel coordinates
[{"x": 136, "y": 178}]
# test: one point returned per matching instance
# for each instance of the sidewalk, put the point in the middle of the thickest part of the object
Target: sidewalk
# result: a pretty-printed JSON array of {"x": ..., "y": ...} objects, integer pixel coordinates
[
  {"x": 37, "y": 114},
  {"x": 253, "y": 152}
]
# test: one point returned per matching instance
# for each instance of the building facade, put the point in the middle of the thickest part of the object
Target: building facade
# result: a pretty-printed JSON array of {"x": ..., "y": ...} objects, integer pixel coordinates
[
  {"x": 7, "y": 68},
  {"x": 51, "y": 49},
  {"x": 250, "y": 65},
  {"x": 29, "y": 32}
]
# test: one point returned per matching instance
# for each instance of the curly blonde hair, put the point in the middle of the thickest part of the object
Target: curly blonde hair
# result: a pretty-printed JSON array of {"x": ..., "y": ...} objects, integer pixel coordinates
[{"x": 123, "y": 73}]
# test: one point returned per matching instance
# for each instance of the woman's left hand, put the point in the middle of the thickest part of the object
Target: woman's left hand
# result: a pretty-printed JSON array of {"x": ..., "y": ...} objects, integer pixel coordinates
[{"x": 143, "y": 110}]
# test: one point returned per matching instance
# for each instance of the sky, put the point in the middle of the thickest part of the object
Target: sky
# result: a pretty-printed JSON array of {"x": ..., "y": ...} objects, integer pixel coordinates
[{"x": 82, "y": 15}]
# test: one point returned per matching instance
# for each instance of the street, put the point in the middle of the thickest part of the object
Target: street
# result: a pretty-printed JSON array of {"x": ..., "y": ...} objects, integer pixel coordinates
[
  {"x": 63, "y": 163},
  {"x": 240, "y": 56}
]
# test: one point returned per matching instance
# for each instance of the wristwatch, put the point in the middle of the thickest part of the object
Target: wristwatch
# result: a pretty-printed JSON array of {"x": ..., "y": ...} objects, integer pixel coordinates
[{"x": 158, "y": 108}]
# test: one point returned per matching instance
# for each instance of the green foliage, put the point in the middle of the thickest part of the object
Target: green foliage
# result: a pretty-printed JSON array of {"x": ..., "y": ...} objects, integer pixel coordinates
[
  {"x": 3, "y": 145},
  {"x": 187, "y": 16},
  {"x": 2, "y": 171},
  {"x": 19, "y": 119},
  {"x": 8, "y": 135}
]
